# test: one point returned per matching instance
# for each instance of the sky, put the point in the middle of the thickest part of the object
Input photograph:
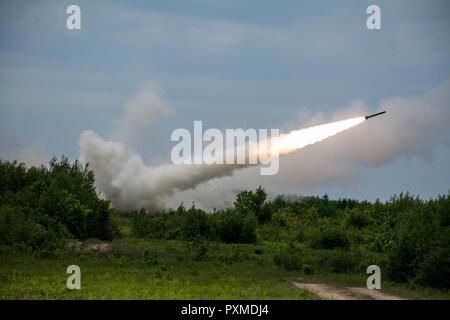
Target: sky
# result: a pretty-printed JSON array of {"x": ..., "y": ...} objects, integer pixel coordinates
[{"x": 236, "y": 64}]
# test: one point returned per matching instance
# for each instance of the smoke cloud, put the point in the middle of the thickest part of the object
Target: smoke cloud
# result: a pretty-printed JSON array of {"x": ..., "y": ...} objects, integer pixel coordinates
[
  {"x": 123, "y": 178},
  {"x": 141, "y": 112},
  {"x": 413, "y": 126}
]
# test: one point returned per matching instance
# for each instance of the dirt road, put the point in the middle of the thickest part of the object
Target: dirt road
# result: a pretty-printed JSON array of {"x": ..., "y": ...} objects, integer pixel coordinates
[{"x": 328, "y": 292}]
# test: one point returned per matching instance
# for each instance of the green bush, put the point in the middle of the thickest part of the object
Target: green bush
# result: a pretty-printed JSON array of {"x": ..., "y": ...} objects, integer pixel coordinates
[
  {"x": 198, "y": 249},
  {"x": 435, "y": 269},
  {"x": 331, "y": 237},
  {"x": 21, "y": 233},
  {"x": 237, "y": 228},
  {"x": 357, "y": 218},
  {"x": 196, "y": 225},
  {"x": 248, "y": 231},
  {"x": 148, "y": 226},
  {"x": 340, "y": 261},
  {"x": 259, "y": 251},
  {"x": 150, "y": 258},
  {"x": 290, "y": 259},
  {"x": 269, "y": 232},
  {"x": 253, "y": 202},
  {"x": 420, "y": 253},
  {"x": 44, "y": 206}
]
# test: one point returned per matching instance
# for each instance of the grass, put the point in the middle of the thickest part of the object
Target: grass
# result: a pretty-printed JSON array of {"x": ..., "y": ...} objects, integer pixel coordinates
[
  {"x": 170, "y": 269},
  {"x": 127, "y": 273}
]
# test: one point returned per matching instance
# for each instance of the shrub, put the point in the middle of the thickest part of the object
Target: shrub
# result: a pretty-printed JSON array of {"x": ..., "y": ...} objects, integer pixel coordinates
[
  {"x": 248, "y": 231},
  {"x": 140, "y": 224},
  {"x": 66, "y": 209},
  {"x": 289, "y": 259},
  {"x": 148, "y": 226},
  {"x": 198, "y": 249},
  {"x": 331, "y": 237},
  {"x": 237, "y": 228},
  {"x": 357, "y": 218},
  {"x": 150, "y": 258},
  {"x": 21, "y": 233},
  {"x": 269, "y": 232},
  {"x": 253, "y": 202},
  {"x": 51, "y": 204},
  {"x": 435, "y": 269},
  {"x": 196, "y": 225},
  {"x": 230, "y": 227},
  {"x": 420, "y": 253},
  {"x": 259, "y": 251},
  {"x": 339, "y": 261}
]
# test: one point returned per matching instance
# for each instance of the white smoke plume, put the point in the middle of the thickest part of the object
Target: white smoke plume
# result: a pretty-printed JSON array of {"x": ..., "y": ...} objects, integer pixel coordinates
[
  {"x": 123, "y": 177},
  {"x": 411, "y": 127},
  {"x": 140, "y": 113}
]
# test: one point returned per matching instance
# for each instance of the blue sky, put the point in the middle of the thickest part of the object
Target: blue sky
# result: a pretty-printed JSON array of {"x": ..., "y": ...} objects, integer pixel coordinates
[{"x": 232, "y": 64}]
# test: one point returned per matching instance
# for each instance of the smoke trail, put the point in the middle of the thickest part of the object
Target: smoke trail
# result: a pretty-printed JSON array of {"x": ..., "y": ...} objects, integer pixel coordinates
[{"x": 124, "y": 179}]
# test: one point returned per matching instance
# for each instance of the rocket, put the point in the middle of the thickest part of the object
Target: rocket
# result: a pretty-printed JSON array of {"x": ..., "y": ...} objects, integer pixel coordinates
[{"x": 375, "y": 114}]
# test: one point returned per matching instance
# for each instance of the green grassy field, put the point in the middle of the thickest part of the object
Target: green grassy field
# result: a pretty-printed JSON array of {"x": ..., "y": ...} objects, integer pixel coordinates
[
  {"x": 169, "y": 273},
  {"x": 161, "y": 269}
]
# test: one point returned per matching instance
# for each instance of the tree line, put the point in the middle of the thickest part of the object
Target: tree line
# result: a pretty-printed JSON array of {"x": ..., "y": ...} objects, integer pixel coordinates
[{"x": 409, "y": 238}]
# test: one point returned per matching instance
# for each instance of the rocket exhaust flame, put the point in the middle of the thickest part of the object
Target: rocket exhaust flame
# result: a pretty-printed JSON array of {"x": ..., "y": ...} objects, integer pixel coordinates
[{"x": 298, "y": 139}]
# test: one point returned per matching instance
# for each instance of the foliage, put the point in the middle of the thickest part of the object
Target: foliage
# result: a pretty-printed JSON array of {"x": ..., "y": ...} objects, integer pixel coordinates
[
  {"x": 196, "y": 225},
  {"x": 421, "y": 252},
  {"x": 290, "y": 259},
  {"x": 40, "y": 207},
  {"x": 330, "y": 237},
  {"x": 253, "y": 202}
]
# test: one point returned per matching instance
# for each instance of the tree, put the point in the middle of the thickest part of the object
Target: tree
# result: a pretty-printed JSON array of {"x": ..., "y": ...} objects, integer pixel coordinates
[
  {"x": 249, "y": 201},
  {"x": 52, "y": 203}
]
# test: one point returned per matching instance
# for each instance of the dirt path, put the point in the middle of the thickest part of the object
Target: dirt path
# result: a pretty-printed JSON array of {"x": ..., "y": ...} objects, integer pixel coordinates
[{"x": 328, "y": 292}]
